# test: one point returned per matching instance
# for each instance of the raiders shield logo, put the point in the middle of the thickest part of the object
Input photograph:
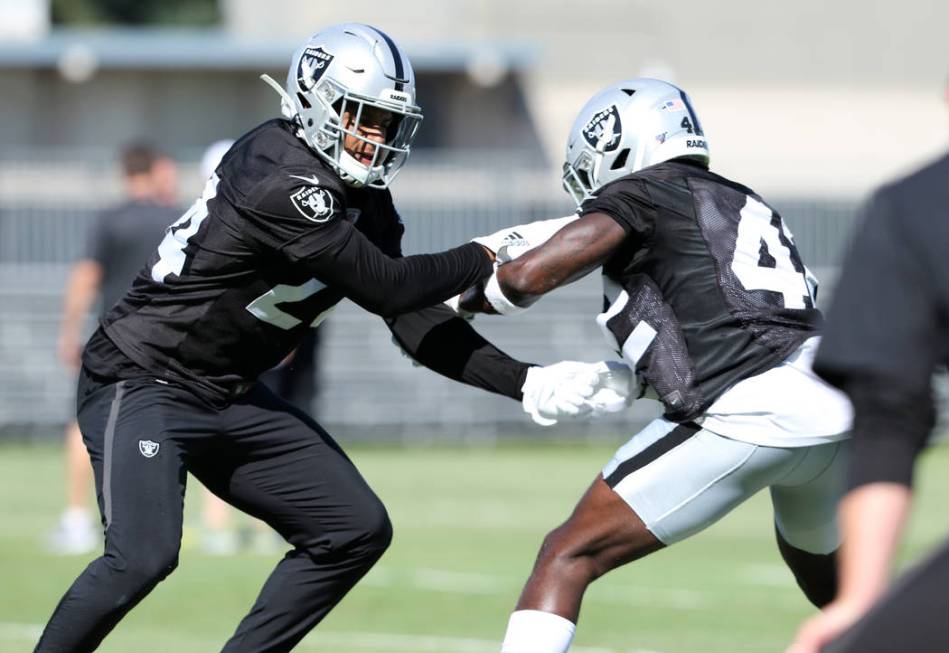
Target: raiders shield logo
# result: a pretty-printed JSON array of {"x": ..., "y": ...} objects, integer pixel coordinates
[
  {"x": 313, "y": 64},
  {"x": 148, "y": 448},
  {"x": 313, "y": 203},
  {"x": 604, "y": 130}
]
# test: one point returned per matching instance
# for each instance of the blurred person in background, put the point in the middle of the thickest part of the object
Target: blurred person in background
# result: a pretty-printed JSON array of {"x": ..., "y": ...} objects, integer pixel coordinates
[
  {"x": 120, "y": 241},
  {"x": 707, "y": 298},
  {"x": 296, "y": 217},
  {"x": 887, "y": 332}
]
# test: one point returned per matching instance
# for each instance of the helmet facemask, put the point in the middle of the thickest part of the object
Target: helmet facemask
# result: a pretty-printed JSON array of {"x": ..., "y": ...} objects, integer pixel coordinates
[
  {"x": 354, "y": 126},
  {"x": 579, "y": 177}
]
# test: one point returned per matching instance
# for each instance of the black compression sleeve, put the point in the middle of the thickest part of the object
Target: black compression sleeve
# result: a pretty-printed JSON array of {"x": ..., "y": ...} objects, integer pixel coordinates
[
  {"x": 447, "y": 344},
  {"x": 388, "y": 286},
  {"x": 891, "y": 425}
]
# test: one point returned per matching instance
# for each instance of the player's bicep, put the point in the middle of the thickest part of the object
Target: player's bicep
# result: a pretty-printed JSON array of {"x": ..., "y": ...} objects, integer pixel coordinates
[{"x": 574, "y": 251}]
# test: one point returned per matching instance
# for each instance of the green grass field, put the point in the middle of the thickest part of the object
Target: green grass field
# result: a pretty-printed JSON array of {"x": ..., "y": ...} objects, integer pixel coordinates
[{"x": 467, "y": 523}]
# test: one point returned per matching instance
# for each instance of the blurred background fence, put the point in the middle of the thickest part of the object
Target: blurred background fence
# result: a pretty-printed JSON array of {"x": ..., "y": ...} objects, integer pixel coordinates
[{"x": 369, "y": 389}]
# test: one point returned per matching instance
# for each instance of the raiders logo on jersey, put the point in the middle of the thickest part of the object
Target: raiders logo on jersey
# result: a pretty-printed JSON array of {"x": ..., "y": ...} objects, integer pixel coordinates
[
  {"x": 604, "y": 130},
  {"x": 313, "y": 64},
  {"x": 314, "y": 203}
]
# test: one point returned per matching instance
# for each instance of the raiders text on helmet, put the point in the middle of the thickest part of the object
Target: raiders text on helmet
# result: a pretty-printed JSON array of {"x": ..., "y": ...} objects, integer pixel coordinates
[
  {"x": 627, "y": 127},
  {"x": 345, "y": 69}
]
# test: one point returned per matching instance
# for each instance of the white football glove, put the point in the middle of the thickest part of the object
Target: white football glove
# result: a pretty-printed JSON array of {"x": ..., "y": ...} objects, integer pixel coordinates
[
  {"x": 573, "y": 390},
  {"x": 511, "y": 242}
]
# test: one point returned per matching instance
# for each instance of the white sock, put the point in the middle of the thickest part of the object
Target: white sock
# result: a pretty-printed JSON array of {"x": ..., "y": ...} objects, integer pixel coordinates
[
  {"x": 76, "y": 517},
  {"x": 533, "y": 631}
]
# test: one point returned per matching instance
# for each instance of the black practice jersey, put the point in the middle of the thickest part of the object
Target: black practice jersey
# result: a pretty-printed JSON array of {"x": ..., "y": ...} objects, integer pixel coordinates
[
  {"x": 708, "y": 288},
  {"x": 274, "y": 242}
]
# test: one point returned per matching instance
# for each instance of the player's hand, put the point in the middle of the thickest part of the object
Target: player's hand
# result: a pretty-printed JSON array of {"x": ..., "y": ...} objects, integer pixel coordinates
[
  {"x": 512, "y": 242},
  {"x": 572, "y": 390},
  {"x": 826, "y": 626}
]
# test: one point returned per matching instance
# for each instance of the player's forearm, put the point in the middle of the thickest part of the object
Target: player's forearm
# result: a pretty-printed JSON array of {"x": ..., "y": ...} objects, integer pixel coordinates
[
  {"x": 389, "y": 286},
  {"x": 872, "y": 519},
  {"x": 81, "y": 290},
  {"x": 447, "y": 344},
  {"x": 574, "y": 251}
]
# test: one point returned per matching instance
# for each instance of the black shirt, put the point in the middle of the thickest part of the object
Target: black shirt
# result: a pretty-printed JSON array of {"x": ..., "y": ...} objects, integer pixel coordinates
[
  {"x": 708, "y": 288},
  {"x": 275, "y": 241},
  {"x": 122, "y": 239},
  {"x": 887, "y": 328}
]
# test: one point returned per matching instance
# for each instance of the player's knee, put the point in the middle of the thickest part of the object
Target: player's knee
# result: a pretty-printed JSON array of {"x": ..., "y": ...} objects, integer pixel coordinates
[
  {"x": 145, "y": 569},
  {"x": 366, "y": 538},
  {"x": 375, "y": 532},
  {"x": 564, "y": 549}
]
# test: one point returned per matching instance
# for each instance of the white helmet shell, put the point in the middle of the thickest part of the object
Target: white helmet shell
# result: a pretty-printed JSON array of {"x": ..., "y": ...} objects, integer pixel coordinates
[
  {"x": 344, "y": 69},
  {"x": 627, "y": 127}
]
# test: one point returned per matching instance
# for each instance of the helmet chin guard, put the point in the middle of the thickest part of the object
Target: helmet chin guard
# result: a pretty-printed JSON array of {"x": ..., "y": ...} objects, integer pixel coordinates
[
  {"x": 334, "y": 80},
  {"x": 626, "y": 127}
]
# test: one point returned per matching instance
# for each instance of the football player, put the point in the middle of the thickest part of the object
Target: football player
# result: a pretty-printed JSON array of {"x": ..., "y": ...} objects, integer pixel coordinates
[
  {"x": 295, "y": 217},
  {"x": 708, "y": 301}
]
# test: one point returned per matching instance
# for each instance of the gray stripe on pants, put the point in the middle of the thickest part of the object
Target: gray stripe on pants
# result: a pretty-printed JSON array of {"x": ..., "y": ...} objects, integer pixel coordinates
[{"x": 107, "y": 453}]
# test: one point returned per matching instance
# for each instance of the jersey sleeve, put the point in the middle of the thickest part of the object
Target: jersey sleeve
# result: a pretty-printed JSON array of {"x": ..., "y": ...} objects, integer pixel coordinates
[
  {"x": 627, "y": 201},
  {"x": 298, "y": 212},
  {"x": 881, "y": 344},
  {"x": 306, "y": 224},
  {"x": 445, "y": 343}
]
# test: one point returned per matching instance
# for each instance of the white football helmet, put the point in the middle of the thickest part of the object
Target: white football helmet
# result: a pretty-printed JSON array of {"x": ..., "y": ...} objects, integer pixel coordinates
[
  {"x": 627, "y": 127},
  {"x": 344, "y": 69}
]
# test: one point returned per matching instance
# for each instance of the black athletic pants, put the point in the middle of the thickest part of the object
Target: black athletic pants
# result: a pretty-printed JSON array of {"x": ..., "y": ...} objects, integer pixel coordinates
[
  {"x": 261, "y": 455},
  {"x": 912, "y": 618}
]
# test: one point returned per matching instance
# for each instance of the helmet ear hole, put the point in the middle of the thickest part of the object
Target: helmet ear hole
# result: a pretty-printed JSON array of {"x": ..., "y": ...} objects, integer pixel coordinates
[{"x": 620, "y": 161}]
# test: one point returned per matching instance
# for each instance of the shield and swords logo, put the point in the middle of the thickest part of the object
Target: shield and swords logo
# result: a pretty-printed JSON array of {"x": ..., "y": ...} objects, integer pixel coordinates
[
  {"x": 604, "y": 130},
  {"x": 148, "y": 448},
  {"x": 313, "y": 64}
]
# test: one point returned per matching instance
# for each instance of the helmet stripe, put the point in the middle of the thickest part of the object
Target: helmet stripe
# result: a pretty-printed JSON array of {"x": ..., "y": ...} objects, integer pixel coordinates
[
  {"x": 399, "y": 70},
  {"x": 695, "y": 121}
]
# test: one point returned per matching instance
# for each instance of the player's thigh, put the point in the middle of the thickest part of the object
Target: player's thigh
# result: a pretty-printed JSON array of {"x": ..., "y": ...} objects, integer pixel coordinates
[
  {"x": 138, "y": 468},
  {"x": 280, "y": 466},
  {"x": 805, "y": 500},
  {"x": 680, "y": 479}
]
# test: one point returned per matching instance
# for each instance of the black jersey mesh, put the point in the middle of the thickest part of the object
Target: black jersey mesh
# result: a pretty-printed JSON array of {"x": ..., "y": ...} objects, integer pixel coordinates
[{"x": 666, "y": 364}]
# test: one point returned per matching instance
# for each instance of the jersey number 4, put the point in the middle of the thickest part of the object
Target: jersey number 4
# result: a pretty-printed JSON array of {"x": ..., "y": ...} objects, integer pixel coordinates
[{"x": 766, "y": 258}]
